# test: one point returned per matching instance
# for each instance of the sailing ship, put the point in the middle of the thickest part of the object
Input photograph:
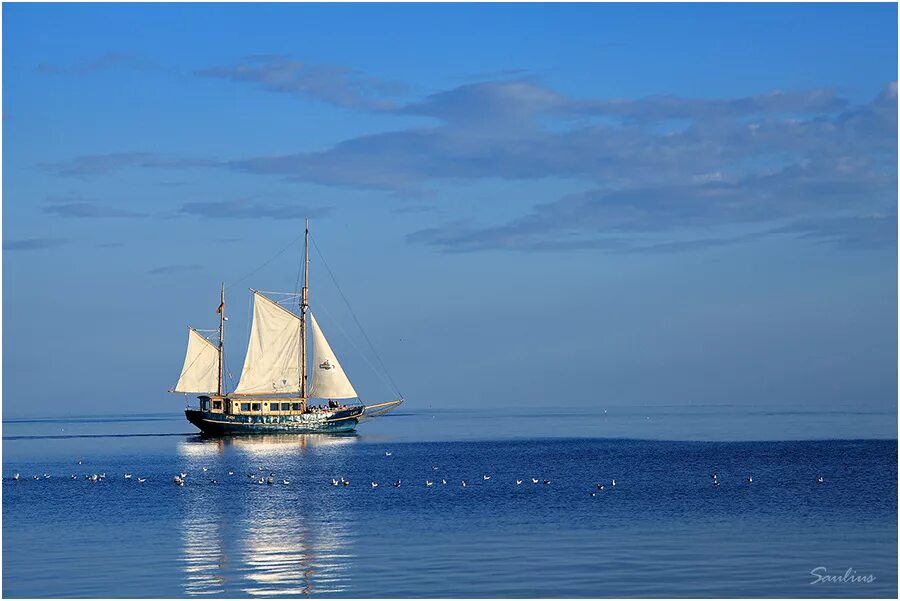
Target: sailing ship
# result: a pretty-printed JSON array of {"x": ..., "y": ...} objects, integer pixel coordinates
[{"x": 280, "y": 390}]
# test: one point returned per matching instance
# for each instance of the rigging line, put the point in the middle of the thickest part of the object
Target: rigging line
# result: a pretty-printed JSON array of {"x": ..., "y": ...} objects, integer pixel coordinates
[
  {"x": 229, "y": 376},
  {"x": 275, "y": 256},
  {"x": 359, "y": 325},
  {"x": 340, "y": 328}
]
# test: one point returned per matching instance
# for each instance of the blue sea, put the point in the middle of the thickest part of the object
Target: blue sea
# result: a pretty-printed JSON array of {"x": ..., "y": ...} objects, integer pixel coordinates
[{"x": 664, "y": 530}]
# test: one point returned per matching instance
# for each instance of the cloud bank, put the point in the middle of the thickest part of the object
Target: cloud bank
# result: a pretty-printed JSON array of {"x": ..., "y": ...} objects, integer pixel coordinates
[{"x": 661, "y": 172}]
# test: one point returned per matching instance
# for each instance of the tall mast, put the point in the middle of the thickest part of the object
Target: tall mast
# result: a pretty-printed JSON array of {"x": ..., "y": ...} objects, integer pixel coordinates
[
  {"x": 221, "y": 312},
  {"x": 304, "y": 305}
]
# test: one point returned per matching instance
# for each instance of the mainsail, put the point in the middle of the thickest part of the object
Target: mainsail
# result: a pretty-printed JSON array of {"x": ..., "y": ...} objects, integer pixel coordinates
[
  {"x": 272, "y": 364},
  {"x": 328, "y": 378},
  {"x": 200, "y": 372}
]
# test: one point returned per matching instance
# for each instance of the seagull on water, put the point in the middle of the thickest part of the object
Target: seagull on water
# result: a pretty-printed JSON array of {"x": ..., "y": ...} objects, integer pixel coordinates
[
  {"x": 141, "y": 480},
  {"x": 443, "y": 481},
  {"x": 593, "y": 494},
  {"x": 387, "y": 453},
  {"x": 74, "y": 477},
  {"x": 534, "y": 480},
  {"x": 128, "y": 476},
  {"x": 486, "y": 477},
  {"x": 821, "y": 479},
  {"x": 270, "y": 481},
  {"x": 213, "y": 481},
  {"x": 16, "y": 476},
  {"x": 205, "y": 469},
  {"x": 546, "y": 482},
  {"x": 613, "y": 482},
  {"x": 35, "y": 477},
  {"x": 518, "y": 482},
  {"x": 46, "y": 475},
  {"x": 285, "y": 482},
  {"x": 599, "y": 487},
  {"x": 230, "y": 473},
  {"x": 463, "y": 482},
  {"x": 183, "y": 475},
  {"x": 335, "y": 482},
  {"x": 397, "y": 483},
  {"x": 178, "y": 480},
  {"x": 750, "y": 479},
  {"x": 429, "y": 483},
  {"x": 374, "y": 484}
]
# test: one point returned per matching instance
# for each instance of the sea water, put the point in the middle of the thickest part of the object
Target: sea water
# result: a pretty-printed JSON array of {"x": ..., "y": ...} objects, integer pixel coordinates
[{"x": 665, "y": 528}]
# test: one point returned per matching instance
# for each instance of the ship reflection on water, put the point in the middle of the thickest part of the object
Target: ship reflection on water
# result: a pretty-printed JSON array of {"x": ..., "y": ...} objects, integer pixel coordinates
[{"x": 245, "y": 538}]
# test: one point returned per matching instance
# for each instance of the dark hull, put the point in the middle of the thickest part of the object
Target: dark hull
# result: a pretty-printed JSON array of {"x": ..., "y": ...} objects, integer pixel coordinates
[{"x": 218, "y": 423}]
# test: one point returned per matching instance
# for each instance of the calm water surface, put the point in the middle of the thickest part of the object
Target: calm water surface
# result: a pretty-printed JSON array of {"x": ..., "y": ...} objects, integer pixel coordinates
[{"x": 664, "y": 530}]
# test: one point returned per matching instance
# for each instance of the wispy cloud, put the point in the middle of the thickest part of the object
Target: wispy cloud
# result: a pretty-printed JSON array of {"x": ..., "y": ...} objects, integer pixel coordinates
[
  {"x": 90, "y": 210},
  {"x": 94, "y": 165},
  {"x": 855, "y": 232},
  {"x": 251, "y": 209},
  {"x": 813, "y": 199},
  {"x": 100, "y": 64},
  {"x": 166, "y": 269},
  {"x": 33, "y": 243},
  {"x": 333, "y": 84}
]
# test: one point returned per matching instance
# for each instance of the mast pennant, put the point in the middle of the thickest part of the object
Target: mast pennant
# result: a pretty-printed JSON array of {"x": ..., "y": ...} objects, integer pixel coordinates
[
  {"x": 201, "y": 365},
  {"x": 328, "y": 378},
  {"x": 272, "y": 364}
]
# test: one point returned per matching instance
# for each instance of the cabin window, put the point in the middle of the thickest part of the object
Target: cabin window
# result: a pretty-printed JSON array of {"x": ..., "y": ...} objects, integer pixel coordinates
[
  {"x": 255, "y": 406},
  {"x": 296, "y": 406},
  {"x": 285, "y": 406},
  {"x": 204, "y": 405},
  {"x": 245, "y": 406},
  {"x": 217, "y": 404}
]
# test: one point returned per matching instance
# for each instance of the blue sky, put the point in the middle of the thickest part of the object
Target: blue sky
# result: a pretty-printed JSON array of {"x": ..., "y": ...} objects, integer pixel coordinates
[{"x": 577, "y": 205}]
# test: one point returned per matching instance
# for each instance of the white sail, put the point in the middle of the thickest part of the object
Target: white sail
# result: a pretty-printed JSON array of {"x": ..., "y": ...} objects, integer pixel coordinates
[
  {"x": 328, "y": 379},
  {"x": 272, "y": 364},
  {"x": 200, "y": 372}
]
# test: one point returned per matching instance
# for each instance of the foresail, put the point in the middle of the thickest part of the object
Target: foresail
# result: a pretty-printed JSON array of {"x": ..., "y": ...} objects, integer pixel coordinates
[
  {"x": 200, "y": 372},
  {"x": 272, "y": 364},
  {"x": 328, "y": 379}
]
